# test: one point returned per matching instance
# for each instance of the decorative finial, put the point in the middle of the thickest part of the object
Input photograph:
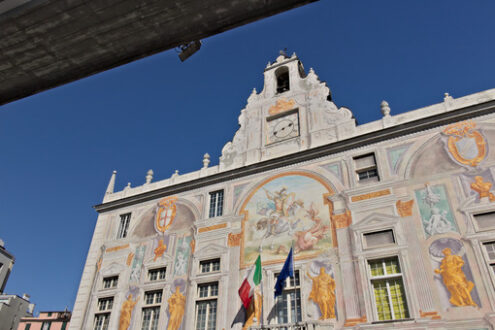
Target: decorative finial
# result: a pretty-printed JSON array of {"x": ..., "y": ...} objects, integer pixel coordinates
[
  {"x": 283, "y": 52},
  {"x": 128, "y": 186},
  {"x": 254, "y": 91},
  {"x": 206, "y": 160},
  {"x": 149, "y": 176},
  {"x": 176, "y": 174},
  {"x": 385, "y": 108},
  {"x": 111, "y": 183},
  {"x": 447, "y": 97}
]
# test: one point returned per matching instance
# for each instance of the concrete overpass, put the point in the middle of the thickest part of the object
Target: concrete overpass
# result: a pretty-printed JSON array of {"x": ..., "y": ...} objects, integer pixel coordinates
[{"x": 47, "y": 43}]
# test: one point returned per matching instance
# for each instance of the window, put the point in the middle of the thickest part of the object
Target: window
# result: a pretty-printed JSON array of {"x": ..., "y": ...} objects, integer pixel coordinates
[
  {"x": 46, "y": 325},
  {"x": 366, "y": 169},
  {"x": 379, "y": 238},
  {"x": 153, "y": 297},
  {"x": 28, "y": 326},
  {"x": 105, "y": 304},
  {"x": 151, "y": 313},
  {"x": 388, "y": 289},
  {"x": 490, "y": 250},
  {"x": 206, "y": 306},
  {"x": 283, "y": 83},
  {"x": 216, "y": 203},
  {"x": 124, "y": 225},
  {"x": 157, "y": 274},
  {"x": 485, "y": 220},
  {"x": 209, "y": 266},
  {"x": 110, "y": 282},
  {"x": 64, "y": 325},
  {"x": 288, "y": 304},
  {"x": 101, "y": 321}
]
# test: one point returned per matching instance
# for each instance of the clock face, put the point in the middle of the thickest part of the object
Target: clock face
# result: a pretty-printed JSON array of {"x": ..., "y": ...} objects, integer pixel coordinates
[{"x": 282, "y": 128}]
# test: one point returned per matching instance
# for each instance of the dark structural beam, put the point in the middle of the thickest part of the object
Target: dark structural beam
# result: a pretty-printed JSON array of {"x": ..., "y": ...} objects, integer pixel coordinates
[{"x": 47, "y": 43}]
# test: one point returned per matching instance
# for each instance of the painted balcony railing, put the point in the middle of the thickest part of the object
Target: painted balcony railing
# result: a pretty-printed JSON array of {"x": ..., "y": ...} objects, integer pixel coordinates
[{"x": 308, "y": 325}]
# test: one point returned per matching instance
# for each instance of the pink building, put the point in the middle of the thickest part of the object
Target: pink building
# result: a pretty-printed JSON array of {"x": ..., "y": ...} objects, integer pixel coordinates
[{"x": 46, "y": 321}]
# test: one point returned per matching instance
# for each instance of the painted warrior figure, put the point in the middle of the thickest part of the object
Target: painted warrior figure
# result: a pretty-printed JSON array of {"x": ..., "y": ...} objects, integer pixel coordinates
[
  {"x": 176, "y": 306},
  {"x": 323, "y": 294},
  {"x": 455, "y": 280},
  {"x": 126, "y": 312}
]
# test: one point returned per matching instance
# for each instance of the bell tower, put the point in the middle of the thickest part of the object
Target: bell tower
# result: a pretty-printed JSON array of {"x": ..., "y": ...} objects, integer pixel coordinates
[{"x": 292, "y": 113}]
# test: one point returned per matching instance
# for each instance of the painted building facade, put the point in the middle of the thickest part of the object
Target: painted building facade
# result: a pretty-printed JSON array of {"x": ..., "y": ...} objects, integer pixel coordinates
[
  {"x": 58, "y": 320},
  {"x": 392, "y": 222}
]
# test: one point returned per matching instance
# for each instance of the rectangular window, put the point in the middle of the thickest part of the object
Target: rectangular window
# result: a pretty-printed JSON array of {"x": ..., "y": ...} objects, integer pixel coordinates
[
  {"x": 101, "y": 321},
  {"x": 485, "y": 220},
  {"x": 490, "y": 250},
  {"x": 28, "y": 326},
  {"x": 379, "y": 238},
  {"x": 288, "y": 304},
  {"x": 206, "y": 306},
  {"x": 388, "y": 289},
  {"x": 366, "y": 169},
  {"x": 46, "y": 325},
  {"x": 157, "y": 274},
  {"x": 110, "y": 282},
  {"x": 216, "y": 203},
  {"x": 153, "y": 297},
  {"x": 151, "y": 314},
  {"x": 209, "y": 266},
  {"x": 105, "y": 304},
  {"x": 150, "y": 318},
  {"x": 125, "y": 219}
]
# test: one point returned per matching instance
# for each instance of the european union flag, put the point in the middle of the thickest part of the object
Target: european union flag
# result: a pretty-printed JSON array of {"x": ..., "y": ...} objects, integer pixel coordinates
[{"x": 287, "y": 270}]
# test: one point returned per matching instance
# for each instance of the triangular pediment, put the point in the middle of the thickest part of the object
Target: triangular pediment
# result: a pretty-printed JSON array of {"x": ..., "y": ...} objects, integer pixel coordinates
[
  {"x": 112, "y": 269},
  {"x": 210, "y": 249},
  {"x": 375, "y": 221}
]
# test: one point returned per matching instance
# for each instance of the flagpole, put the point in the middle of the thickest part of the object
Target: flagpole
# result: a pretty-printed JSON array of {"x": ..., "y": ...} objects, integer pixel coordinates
[
  {"x": 262, "y": 296},
  {"x": 294, "y": 276}
]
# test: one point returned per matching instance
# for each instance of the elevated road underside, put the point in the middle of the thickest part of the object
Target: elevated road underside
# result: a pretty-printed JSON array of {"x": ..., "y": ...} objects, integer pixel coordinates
[{"x": 47, "y": 43}]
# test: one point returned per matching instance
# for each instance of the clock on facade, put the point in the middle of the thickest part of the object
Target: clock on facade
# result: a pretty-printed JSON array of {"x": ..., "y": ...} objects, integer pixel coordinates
[{"x": 283, "y": 126}]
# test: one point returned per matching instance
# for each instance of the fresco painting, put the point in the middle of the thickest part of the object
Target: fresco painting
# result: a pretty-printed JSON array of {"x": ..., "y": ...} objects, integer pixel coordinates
[
  {"x": 436, "y": 214},
  {"x": 395, "y": 156},
  {"x": 478, "y": 185},
  {"x": 182, "y": 254},
  {"x": 321, "y": 287},
  {"x": 137, "y": 264},
  {"x": 284, "y": 211},
  {"x": 452, "y": 274}
]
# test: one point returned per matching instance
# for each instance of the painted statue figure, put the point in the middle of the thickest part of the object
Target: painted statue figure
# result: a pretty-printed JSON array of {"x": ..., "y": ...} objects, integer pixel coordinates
[
  {"x": 482, "y": 188},
  {"x": 126, "y": 312},
  {"x": 307, "y": 239},
  {"x": 160, "y": 249},
  {"x": 254, "y": 311},
  {"x": 438, "y": 222},
  {"x": 176, "y": 306},
  {"x": 323, "y": 294},
  {"x": 455, "y": 280}
]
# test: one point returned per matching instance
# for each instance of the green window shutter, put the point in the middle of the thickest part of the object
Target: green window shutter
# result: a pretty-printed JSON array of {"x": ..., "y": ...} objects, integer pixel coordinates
[
  {"x": 64, "y": 325},
  {"x": 28, "y": 326}
]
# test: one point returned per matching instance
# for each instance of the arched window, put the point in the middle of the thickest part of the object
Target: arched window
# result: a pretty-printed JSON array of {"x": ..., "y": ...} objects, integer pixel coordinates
[{"x": 282, "y": 75}]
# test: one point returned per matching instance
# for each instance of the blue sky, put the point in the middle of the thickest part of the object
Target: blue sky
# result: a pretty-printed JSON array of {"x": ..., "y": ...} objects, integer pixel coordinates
[{"x": 58, "y": 148}]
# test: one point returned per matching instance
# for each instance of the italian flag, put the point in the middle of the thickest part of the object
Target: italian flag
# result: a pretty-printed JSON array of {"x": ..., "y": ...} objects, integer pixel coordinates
[{"x": 253, "y": 278}]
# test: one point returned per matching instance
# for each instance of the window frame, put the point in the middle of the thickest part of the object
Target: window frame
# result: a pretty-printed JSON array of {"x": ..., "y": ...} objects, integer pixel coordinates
[
  {"x": 475, "y": 221},
  {"x": 369, "y": 232},
  {"x": 210, "y": 262},
  {"x": 124, "y": 223},
  {"x": 114, "y": 282},
  {"x": 106, "y": 309},
  {"x": 214, "y": 205},
  {"x": 206, "y": 299},
  {"x": 359, "y": 170},
  {"x": 106, "y": 322},
  {"x": 158, "y": 270},
  {"x": 288, "y": 290},
  {"x": 372, "y": 278}
]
